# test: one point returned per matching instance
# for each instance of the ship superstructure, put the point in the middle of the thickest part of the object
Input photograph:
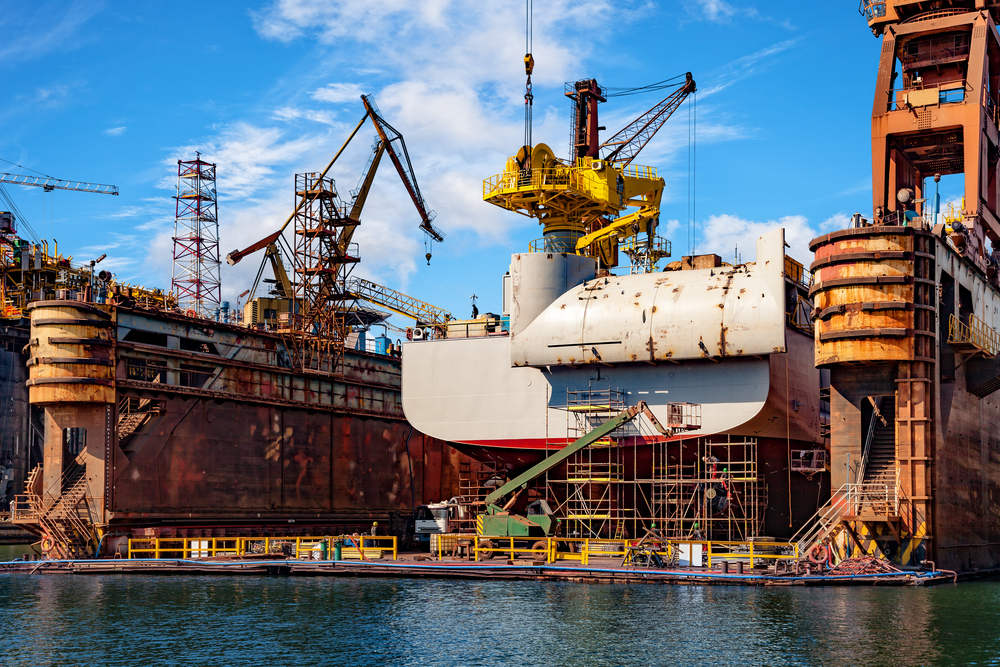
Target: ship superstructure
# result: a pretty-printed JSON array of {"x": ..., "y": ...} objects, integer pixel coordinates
[{"x": 578, "y": 338}]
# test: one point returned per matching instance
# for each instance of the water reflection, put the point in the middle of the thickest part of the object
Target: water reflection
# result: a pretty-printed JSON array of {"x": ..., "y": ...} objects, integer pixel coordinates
[{"x": 200, "y": 620}]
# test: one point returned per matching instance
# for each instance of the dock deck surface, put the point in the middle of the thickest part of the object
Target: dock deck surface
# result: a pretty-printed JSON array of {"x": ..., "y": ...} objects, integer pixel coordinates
[{"x": 599, "y": 570}]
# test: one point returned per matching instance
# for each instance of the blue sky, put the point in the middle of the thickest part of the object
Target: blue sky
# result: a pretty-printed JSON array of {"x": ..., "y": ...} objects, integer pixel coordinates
[{"x": 117, "y": 92}]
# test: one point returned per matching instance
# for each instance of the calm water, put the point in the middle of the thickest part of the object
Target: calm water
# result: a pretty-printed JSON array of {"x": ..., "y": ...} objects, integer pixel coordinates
[{"x": 119, "y": 620}]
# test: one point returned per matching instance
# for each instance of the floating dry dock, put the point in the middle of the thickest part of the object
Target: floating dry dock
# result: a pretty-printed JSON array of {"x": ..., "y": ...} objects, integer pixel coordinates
[{"x": 599, "y": 570}]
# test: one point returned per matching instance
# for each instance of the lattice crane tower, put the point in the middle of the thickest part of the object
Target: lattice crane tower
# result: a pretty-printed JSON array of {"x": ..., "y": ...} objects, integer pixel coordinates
[{"x": 195, "y": 279}]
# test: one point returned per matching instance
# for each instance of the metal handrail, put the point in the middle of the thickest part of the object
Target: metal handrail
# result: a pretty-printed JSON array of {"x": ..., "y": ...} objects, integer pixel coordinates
[
  {"x": 849, "y": 499},
  {"x": 583, "y": 548},
  {"x": 868, "y": 441},
  {"x": 975, "y": 332},
  {"x": 554, "y": 243},
  {"x": 363, "y": 546}
]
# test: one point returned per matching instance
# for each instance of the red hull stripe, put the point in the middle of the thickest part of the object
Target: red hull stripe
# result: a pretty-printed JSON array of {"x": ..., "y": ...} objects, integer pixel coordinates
[{"x": 542, "y": 443}]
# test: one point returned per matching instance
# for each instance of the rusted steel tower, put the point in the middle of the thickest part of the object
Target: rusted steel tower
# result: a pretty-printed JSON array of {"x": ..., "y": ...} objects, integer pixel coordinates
[
  {"x": 324, "y": 258},
  {"x": 907, "y": 303},
  {"x": 937, "y": 107},
  {"x": 195, "y": 280}
]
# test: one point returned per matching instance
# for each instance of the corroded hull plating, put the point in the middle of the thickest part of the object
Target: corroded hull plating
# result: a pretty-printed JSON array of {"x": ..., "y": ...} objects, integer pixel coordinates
[{"x": 213, "y": 461}]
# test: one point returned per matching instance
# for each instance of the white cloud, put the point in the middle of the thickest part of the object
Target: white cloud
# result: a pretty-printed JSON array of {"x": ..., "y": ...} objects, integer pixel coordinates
[
  {"x": 247, "y": 156},
  {"x": 836, "y": 221},
  {"x": 36, "y": 29},
  {"x": 115, "y": 131},
  {"x": 725, "y": 233},
  {"x": 717, "y": 10},
  {"x": 724, "y": 11},
  {"x": 744, "y": 67},
  {"x": 293, "y": 113},
  {"x": 448, "y": 77},
  {"x": 127, "y": 212},
  {"x": 335, "y": 93}
]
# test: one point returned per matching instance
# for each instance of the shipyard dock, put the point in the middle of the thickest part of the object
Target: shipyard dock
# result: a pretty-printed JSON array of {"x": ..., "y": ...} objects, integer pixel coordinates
[
  {"x": 598, "y": 571},
  {"x": 458, "y": 556}
]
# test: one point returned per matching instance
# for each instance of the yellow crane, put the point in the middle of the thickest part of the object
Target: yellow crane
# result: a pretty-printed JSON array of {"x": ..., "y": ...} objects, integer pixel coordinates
[{"x": 581, "y": 202}]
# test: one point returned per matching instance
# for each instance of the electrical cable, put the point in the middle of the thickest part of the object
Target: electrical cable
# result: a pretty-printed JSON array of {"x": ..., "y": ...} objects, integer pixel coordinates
[
  {"x": 19, "y": 217},
  {"x": 611, "y": 91},
  {"x": 21, "y": 166},
  {"x": 529, "y": 66}
]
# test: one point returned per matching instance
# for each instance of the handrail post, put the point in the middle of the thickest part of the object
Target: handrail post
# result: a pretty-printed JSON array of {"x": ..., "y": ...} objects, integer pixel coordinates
[
  {"x": 395, "y": 551},
  {"x": 156, "y": 547},
  {"x": 586, "y": 551},
  {"x": 708, "y": 545},
  {"x": 475, "y": 550},
  {"x": 751, "y": 555}
]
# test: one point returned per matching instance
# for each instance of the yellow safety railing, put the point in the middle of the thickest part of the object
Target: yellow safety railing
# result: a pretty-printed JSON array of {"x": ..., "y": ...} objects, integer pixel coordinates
[
  {"x": 514, "y": 181},
  {"x": 976, "y": 333},
  {"x": 353, "y": 547},
  {"x": 640, "y": 171},
  {"x": 582, "y": 549}
]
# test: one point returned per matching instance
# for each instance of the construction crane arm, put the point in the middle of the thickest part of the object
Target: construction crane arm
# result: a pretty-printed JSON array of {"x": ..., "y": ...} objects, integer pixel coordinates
[
  {"x": 48, "y": 183},
  {"x": 235, "y": 256},
  {"x": 622, "y": 148},
  {"x": 397, "y": 302},
  {"x": 542, "y": 466},
  {"x": 389, "y": 136},
  {"x": 360, "y": 194},
  {"x": 278, "y": 268}
]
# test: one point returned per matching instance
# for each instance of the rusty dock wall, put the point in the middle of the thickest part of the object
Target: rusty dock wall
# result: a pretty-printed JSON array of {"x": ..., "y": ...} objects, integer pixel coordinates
[
  {"x": 179, "y": 424},
  {"x": 903, "y": 416}
]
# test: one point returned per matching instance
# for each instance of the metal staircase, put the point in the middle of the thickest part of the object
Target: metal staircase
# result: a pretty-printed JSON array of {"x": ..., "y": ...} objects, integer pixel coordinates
[
  {"x": 64, "y": 515},
  {"x": 865, "y": 501},
  {"x": 879, "y": 462},
  {"x": 68, "y": 522}
]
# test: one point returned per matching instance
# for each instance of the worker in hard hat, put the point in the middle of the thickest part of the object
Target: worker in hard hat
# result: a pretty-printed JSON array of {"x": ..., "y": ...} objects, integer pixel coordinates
[{"x": 374, "y": 528}]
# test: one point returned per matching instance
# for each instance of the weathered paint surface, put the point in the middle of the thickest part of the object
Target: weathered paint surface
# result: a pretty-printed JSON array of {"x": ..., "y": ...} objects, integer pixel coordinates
[
  {"x": 474, "y": 391},
  {"x": 665, "y": 316},
  {"x": 211, "y": 460}
]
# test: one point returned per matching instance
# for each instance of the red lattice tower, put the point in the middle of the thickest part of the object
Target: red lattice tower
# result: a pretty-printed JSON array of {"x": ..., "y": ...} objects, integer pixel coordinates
[{"x": 195, "y": 279}]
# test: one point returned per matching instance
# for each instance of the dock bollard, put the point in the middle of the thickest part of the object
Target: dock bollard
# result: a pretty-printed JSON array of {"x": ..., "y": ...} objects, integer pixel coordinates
[{"x": 724, "y": 566}]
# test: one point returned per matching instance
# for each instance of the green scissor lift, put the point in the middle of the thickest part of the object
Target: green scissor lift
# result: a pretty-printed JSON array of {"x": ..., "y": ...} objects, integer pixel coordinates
[{"x": 498, "y": 522}]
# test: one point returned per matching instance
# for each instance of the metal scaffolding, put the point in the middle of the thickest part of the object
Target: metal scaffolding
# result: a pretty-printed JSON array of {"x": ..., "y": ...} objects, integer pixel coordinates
[
  {"x": 635, "y": 479},
  {"x": 707, "y": 487},
  {"x": 195, "y": 280}
]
